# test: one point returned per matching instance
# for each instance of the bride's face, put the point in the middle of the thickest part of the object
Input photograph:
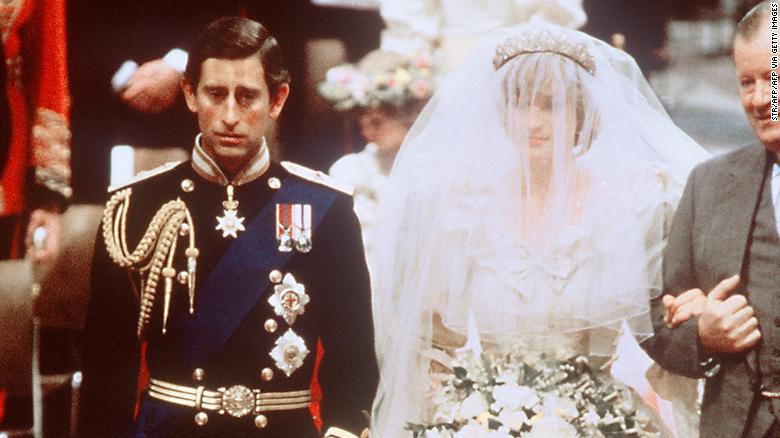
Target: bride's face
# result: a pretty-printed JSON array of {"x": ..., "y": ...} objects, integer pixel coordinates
[
  {"x": 540, "y": 123},
  {"x": 539, "y": 120}
]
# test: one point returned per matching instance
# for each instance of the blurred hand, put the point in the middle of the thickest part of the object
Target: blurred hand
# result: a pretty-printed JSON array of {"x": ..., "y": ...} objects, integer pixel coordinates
[
  {"x": 153, "y": 88},
  {"x": 45, "y": 246},
  {"x": 365, "y": 434},
  {"x": 683, "y": 307},
  {"x": 727, "y": 323}
]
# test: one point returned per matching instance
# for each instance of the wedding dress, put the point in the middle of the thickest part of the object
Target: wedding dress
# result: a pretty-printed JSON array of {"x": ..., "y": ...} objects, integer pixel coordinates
[{"x": 534, "y": 193}]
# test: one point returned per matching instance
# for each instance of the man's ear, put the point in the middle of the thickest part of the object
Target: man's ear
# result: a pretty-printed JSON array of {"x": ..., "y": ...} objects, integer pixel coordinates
[
  {"x": 278, "y": 101},
  {"x": 189, "y": 95}
]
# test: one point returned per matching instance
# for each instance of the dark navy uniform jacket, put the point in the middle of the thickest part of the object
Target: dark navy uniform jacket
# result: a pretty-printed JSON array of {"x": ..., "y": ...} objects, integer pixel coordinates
[{"x": 339, "y": 315}]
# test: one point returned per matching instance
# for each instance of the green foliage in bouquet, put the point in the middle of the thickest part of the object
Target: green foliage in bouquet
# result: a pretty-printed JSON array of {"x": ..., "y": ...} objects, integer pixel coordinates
[{"x": 494, "y": 395}]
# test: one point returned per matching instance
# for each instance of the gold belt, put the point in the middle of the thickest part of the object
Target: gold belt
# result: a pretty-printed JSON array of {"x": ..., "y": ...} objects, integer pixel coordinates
[{"x": 237, "y": 400}]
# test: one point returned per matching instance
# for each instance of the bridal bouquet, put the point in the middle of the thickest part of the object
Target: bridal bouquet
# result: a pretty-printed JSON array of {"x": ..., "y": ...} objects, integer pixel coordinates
[{"x": 490, "y": 395}]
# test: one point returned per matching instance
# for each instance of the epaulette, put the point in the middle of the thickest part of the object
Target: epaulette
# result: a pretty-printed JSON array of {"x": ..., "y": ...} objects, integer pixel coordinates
[
  {"x": 318, "y": 177},
  {"x": 146, "y": 174}
]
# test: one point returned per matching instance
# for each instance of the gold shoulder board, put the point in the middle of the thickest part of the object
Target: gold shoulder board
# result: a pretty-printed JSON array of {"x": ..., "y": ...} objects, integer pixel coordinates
[
  {"x": 318, "y": 177},
  {"x": 145, "y": 174}
]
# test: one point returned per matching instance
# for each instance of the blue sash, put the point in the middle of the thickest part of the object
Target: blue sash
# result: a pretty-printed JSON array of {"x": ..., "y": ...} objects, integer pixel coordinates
[{"x": 241, "y": 277}]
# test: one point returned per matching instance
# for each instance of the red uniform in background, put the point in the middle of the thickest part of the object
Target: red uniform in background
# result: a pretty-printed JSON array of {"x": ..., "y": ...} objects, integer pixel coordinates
[
  {"x": 36, "y": 173},
  {"x": 35, "y": 163}
]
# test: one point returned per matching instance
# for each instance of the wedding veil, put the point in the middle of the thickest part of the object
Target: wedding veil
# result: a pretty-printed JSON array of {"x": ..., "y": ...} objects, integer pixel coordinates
[{"x": 528, "y": 164}]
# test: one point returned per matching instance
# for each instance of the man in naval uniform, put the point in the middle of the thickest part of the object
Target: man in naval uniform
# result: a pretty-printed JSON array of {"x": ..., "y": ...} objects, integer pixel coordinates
[{"x": 225, "y": 272}]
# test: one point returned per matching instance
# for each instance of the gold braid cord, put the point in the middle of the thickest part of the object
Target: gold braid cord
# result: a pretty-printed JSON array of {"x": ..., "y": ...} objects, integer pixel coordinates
[{"x": 154, "y": 255}]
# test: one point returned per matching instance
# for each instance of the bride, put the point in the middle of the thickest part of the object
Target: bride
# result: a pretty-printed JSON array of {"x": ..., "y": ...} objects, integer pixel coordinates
[{"x": 532, "y": 196}]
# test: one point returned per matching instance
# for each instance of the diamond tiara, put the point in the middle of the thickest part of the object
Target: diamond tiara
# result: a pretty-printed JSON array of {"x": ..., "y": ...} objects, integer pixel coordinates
[{"x": 544, "y": 42}]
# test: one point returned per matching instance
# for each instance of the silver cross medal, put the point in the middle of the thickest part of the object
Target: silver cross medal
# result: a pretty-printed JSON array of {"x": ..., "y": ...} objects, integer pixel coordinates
[{"x": 230, "y": 222}]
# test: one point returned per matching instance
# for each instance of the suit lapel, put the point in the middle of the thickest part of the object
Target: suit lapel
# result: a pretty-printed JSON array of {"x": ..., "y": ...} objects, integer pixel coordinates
[{"x": 738, "y": 208}]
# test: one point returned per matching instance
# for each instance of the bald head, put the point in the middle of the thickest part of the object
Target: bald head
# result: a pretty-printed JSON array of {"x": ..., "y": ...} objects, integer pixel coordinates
[{"x": 752, "y": 22}]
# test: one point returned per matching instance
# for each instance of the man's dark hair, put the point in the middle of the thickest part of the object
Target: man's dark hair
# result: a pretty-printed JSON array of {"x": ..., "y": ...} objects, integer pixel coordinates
[
  {"x": 238, "y": 38},
  {"x": 750, "y": 24}
]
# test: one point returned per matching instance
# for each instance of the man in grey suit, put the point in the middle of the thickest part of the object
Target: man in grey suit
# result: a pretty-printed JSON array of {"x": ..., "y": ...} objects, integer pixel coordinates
[{"x": 722, "y": 263}]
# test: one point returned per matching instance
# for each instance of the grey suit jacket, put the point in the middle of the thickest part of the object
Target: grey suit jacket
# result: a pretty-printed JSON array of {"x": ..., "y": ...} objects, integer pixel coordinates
[{"x": 707, "y": 243}]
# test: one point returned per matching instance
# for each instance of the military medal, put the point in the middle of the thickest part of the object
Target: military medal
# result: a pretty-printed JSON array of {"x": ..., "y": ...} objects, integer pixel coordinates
[
  {"x": 230, "y": 222},
  {"x": 289, "y": 299},
  {"x": 289, "y": 353},
  {"x": 293, "y": 227}
]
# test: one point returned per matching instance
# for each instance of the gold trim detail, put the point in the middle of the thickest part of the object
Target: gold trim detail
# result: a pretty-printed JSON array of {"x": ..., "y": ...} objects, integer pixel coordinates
[
  {"x": 51, "y": 151},
  {"x": 252, "y": 400},
  {"x": 206, "y": 167},
  {"x": 318, "y": 177},
  {"x": 155, "y": 252},
  {"x": 14, "y": 71},
  {"x": 9, "y": 11}
]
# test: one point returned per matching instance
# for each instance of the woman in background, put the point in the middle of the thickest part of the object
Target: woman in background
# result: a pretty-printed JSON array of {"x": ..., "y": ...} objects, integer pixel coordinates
[
  {"x": 385, "y": 92},
  {"x": 35, "y": 179}
]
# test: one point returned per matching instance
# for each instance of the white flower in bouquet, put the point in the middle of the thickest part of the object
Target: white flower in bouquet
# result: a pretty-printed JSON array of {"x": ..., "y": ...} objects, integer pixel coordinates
[
  {"x": 513, "y": 420},
  {"x": 437, "y": 433},
  {"x": 547, "y": 427},
  {"x": 508, "y": 375},
  {"x": 446, "y": 409},
  {"x": 559, "y": 407},
  {"x": 473, "y": 406},
  {"x": 511, "y": 396},
  {"x": 500, "y": 433},
  {"x": 473, "y": 430},
  {"x": 591, "y": 418}
]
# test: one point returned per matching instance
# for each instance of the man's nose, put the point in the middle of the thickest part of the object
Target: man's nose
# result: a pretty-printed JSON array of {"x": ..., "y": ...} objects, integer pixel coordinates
[
  {"x": 760, "y": 98},
  {"x": 231, "y": 112}
]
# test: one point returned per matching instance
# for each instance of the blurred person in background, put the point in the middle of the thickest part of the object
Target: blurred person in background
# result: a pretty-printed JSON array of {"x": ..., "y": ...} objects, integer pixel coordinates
[
  {"x": 640, "y": 23},
  {"x": 34, "y": 145},
  {"x": 449, "y": 28},
  {"x": 384, "y": 92},
  {"x": 35, "y": 180},
  {"x": 5, "y": 116}
]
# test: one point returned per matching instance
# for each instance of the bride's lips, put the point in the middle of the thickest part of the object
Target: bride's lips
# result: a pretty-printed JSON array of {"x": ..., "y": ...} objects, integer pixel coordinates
[{"x": 538, "y": 141}]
